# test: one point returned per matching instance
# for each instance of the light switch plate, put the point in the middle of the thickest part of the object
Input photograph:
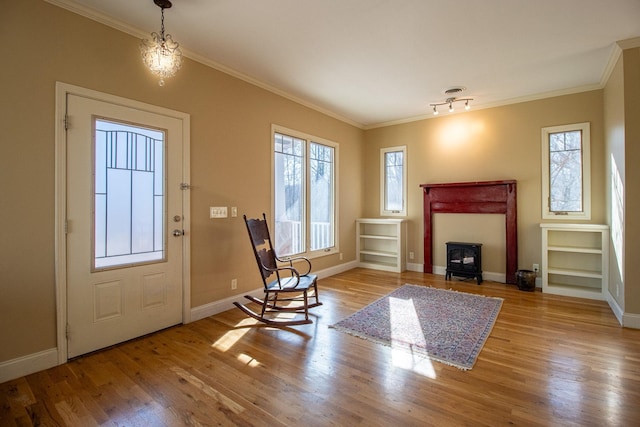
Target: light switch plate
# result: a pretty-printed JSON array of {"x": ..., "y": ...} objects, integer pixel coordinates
[{"x": 218, "y": 212}]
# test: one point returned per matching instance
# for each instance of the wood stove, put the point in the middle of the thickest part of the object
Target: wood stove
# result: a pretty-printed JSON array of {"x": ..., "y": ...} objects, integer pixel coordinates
[{"x": 464, "y": 260}]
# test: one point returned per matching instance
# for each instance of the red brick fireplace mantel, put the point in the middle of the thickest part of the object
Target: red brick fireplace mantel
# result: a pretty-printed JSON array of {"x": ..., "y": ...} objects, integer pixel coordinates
[{"x": 486, "y": 197}]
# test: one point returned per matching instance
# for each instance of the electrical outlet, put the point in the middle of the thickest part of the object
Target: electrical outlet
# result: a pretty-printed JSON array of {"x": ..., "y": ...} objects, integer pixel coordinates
[
  {"x": 341, "y": 256},
  {"x": 234, "y": 212},
  {"x": 234, "y": 283},
  {"x": 411, "y": 255},
  {"x": 536, "y": 268}
]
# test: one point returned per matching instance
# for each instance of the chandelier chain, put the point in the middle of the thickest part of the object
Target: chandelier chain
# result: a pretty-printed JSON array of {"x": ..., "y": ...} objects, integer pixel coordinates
[{"x": 162, "y": 23}]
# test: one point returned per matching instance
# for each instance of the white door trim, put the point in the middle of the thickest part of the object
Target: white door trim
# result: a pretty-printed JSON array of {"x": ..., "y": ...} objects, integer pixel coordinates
[{"x": 62, "y": 89}]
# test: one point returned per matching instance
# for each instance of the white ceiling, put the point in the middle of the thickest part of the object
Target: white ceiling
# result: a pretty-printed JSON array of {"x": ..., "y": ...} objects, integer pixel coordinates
[{"x": 371, "y": 62}]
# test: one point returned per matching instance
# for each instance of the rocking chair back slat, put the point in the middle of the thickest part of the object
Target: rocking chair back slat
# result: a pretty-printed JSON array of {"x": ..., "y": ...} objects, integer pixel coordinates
[
  {"x": 262, "y": 247},
  {"x": 267, "y": 263}
]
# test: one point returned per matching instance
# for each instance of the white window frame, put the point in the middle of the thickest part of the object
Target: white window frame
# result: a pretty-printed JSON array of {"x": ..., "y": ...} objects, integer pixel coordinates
[
  {"x": 307, "y": 190},
  {"x": 383, "y": 181},
  {"x": 586, "y": 172}
]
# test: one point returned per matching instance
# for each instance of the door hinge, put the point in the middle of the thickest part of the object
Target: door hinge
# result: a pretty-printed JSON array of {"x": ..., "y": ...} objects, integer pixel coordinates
[
  {"x": 67, "y": 125},
  {"x": 66, "y": 331},
  {"x": 185, "y": 186},
  {"x": 66, "y": 226}
]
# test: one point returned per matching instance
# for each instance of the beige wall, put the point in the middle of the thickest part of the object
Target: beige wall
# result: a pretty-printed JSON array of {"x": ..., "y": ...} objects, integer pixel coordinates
[
  {"x": 486, "y": 145},
  {"x": 614, "y": 137},
  {"x": 631, "y": 66},
  {"x": 622, "y": 134},
  {"x": 230, "y": 159}
]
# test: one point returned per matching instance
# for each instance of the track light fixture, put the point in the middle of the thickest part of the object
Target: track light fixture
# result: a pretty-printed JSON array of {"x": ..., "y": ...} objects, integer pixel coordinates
[{"x": 451, "y": 101}]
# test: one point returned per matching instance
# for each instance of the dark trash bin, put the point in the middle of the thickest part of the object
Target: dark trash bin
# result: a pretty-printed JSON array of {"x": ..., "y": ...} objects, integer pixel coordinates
[{"x": 526, "y": 280}]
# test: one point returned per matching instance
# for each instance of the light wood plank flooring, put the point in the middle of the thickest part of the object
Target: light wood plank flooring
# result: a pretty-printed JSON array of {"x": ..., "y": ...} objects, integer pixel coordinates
[{"x": 550, "y": 360}]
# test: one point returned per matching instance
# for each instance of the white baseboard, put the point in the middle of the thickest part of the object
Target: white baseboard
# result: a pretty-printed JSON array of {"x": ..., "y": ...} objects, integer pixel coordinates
[
  {"x": 495, "y": 277},
  {"x": 25, "y": 365},
  {"x": 219, "y": 306},
  {"x": 486, "y": 275},
  {"x": 328, "y": 272},
  {"x": 631, "y": 320},
  {"x": 216, "y": 307},
  {"x": 615, "y": 307},
  {"x": 627, "y": 320},
  {"x": 412, "y": 266}
]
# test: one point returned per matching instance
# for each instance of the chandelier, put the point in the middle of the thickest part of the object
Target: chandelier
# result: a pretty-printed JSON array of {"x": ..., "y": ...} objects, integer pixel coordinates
[{"x": 161, "y": 54}]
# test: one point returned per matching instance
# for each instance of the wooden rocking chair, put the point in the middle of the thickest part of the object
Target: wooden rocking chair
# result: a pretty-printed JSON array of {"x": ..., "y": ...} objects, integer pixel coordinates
[{"x": 288, "y": 280}]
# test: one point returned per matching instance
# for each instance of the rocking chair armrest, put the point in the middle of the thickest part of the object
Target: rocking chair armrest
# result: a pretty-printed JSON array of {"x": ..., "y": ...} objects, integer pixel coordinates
[
  {"x": 298, "y": 258},
  {"x": 278, "y": 269}
]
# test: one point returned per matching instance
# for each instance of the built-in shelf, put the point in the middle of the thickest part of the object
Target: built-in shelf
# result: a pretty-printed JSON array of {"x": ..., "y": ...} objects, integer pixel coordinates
[
  {"x": 380, "y": 243},
  {"x": 575, "y": 259}
]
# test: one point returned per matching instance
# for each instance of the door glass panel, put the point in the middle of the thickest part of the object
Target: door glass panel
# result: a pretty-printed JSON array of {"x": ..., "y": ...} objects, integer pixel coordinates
[{"x": 129, "y": 195}]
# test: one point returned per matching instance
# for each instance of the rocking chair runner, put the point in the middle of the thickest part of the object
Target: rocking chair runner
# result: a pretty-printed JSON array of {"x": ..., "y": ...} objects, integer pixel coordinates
[{"x": 288, "y": 280}]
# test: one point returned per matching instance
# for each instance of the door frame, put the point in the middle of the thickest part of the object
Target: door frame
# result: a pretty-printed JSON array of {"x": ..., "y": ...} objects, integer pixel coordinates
[{"x": 62, "y": 90}]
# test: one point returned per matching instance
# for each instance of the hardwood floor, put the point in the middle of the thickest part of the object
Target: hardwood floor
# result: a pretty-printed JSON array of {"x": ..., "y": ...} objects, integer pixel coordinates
[{"x": 550, "y": 360}]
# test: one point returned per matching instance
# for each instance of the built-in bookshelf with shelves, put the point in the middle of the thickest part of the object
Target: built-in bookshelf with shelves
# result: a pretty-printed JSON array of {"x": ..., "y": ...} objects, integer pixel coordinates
[
  {"x": 380, "y": 243},
  {"x": 575, "y": 259}
]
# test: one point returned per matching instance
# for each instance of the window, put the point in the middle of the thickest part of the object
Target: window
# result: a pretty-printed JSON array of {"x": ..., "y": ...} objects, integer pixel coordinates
[
  {"x": 304, "y": 194},
  {"x": 393, "y": 181},
  {"x": 566, "y": 178}
]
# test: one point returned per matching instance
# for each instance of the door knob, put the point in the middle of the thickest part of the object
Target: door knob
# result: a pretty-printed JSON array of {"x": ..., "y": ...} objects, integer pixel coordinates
[{"x": 178, "y": 233}]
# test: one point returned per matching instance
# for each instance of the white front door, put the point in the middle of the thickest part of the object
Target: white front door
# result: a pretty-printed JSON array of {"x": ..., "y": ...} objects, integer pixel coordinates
[{"x": 124, "y": 223}]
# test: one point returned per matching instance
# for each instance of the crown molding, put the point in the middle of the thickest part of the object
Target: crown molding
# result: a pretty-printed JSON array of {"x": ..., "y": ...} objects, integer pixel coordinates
[
  {"x": 82, "y": 10},
  {"x": 501, "y": 103},
  {"x": 629, "y": 43},
  {"x": 92, "y": 14},
  {"x": 616, "y": 51}
]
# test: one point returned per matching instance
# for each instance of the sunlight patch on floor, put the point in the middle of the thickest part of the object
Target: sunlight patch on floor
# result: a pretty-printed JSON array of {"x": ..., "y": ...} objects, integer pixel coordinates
[
  {"x": 285, "y": 316},
  {"x": 421, "y": 365},
  {"x": 248, "y": 360},
  {"x": 227, "y": 341},
  {"x": 403, "y": 318}
]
